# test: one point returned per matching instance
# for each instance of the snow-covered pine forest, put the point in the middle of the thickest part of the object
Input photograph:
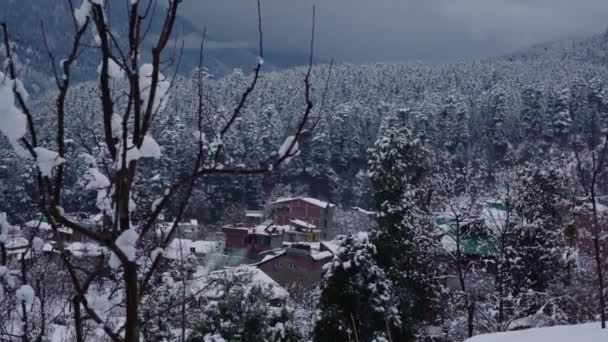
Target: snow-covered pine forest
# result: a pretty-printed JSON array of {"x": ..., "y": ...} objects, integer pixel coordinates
[{"x": 462, "y": 199}]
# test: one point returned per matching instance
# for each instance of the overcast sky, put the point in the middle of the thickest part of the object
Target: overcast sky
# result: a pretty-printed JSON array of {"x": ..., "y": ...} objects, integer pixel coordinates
[{"x": 400, "y": 30}]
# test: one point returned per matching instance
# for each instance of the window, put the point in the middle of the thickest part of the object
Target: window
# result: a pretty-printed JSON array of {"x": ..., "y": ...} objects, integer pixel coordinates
[
  {"x": 278, "y": 265},
  {"x": 292, "y": 266}
]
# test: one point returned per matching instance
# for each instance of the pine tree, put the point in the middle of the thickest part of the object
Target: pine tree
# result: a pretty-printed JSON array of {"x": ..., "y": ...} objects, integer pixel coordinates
[
  {"x": 243, "y": 313},
  {"x": 399, "y": 170},
  {"x": 562, "y": 120},
  {"x": 532, "y": 119},
  {"x": 357, "y": 299},
  {"x": 496, "y": 134},
  {"x": 538, "y": 236}
]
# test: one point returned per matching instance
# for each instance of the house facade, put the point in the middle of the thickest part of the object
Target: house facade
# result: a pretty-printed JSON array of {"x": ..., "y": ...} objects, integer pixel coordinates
[
  {"x": 249, "y": 242},
  {"x": 300, "y": 265},
  {"x": 304, "y": 211}
]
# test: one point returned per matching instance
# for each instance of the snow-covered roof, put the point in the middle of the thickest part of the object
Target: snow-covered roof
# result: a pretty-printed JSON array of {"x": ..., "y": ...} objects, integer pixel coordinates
[
  {"x": 45, "y": 226},
  {"x": 315, "y": 251},
  {"x": 590, "y": 332},
  {"x": 85, "y": 249},
  {"x": 38, "y": 224},
  {"x": 322, "y": 255},
  {"x": 203, "y": 283},
  {"x": 268, "y": 229},
  {"x": 309, "y": 200},
  {"x": 304, "y": 224},
  {"x": 205, "y": 247},
  {"x": 183, "y": 247},
  {"x": 332, "y": 246},
  {"x": 270, "y": 257},
  {"x": 16, "y": 242},
  {"x": 177, "y": 249},
  {"x": 254, "y": 213}
]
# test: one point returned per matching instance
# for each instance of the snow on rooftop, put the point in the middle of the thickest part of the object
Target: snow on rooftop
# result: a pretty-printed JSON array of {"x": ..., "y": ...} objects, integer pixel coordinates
[
  {"x": 85, "y": 249},
  {"x": 266, "y": 229},
  {"x": 304, "y": 224},
  {"x": 16, "y": 242},
  {"x": 205, "y": 247},
  {"x": 270, "y": 256},
  {"x": 177, "y": 248},
  {"x": 322, "y": 255},
  {"x": 204, "y": 283},
  {"x": 38, "y": 224},
  {"x": 309, "y": 200},
  {"x": 590, "y": 332},
  {"x": 185, "y": 247},
  {"x": 254, "y": 213},
  {"x": 332, "y": 246}
]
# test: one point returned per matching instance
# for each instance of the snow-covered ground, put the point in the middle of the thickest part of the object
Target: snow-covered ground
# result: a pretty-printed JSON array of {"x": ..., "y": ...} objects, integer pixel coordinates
[{"x": 590, "y": 332}]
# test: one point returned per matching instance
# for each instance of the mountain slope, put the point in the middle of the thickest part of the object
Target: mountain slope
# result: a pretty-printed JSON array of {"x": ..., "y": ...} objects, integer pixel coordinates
[
  {"x": 27, "y": 18},
  {"x": 593, "y": 49}
]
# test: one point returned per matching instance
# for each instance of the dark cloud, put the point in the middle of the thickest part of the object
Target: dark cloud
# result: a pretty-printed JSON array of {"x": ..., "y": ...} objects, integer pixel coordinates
[{"x": 398, "y": 30}]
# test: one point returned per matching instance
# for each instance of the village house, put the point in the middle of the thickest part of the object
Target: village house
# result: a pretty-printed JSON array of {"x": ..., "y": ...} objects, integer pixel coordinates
[
  {"x": 249, "y": 242},
  {"x": 315, "y": 213},
  {"x": 208, "y": 287},
  {"x": 254, "y": 217},
  {"x": 583, "y": 232},
  {"x": 472, "y": 236},
  {"x": 185, "y": 230},
  {"x": 299, "y": 265}
]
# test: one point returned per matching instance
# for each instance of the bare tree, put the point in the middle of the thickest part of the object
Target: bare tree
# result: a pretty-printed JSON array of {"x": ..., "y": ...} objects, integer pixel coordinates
[{"x": 127, "y": 118}]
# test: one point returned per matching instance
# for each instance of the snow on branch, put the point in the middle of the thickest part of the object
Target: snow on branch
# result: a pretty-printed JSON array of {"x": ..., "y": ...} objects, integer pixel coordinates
[
  {"x": 47, "y": 160},
  {"x": 14, "y": 122}
]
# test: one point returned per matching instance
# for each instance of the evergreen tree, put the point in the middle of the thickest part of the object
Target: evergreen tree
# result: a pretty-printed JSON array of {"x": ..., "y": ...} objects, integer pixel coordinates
[
  {"x": 244, "y": 313},
  {"x": 357, "y": 299},
  {"x": 538, "y": 238},
  {"x": 532, "y": 114},
  {"x": 496, "y": 134},
  {"x": 399, "y": 170},
  {"x": 562, "y": 120}
]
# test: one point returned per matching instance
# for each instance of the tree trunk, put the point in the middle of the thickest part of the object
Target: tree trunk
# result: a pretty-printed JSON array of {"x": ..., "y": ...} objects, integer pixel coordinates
[
  {"x": 471, "y": 316},
  {"x": 77, "y": 319},
  {"x": 598, "y": 258},
  {"x": 132, "y": 321}
]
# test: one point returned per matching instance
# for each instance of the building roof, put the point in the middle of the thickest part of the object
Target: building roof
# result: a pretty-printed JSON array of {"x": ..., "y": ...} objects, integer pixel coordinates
[
  {"x": 254, "y": 213},
  {"x": 205, "y": 284},
  {"x": 85, "y": 249},
  {"x": 270, "y": 257},
  {"x": 331, "y": 246},
  {"x": 183, "y": 247},
  {"x": 43, "y": 225},
  {"x": 309, "y": 200},
  {"x": 322, "y": 255},
  {"x": 304, "y": 224},
  {"x": 315, "y": 252}
]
